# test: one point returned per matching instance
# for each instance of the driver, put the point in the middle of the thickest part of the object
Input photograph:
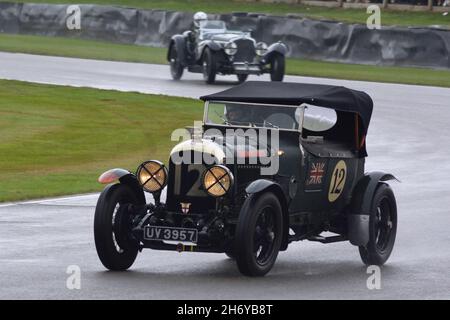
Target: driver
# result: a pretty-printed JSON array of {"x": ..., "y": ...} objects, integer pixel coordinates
[
  {"x": 194, "y": 33},
  {"x": 237, "y": 114},
  {"x": 198, "y": 17}
]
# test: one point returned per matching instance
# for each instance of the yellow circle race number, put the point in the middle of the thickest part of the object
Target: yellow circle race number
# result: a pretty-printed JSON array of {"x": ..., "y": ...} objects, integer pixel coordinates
[{"x": 337, "y": 181}]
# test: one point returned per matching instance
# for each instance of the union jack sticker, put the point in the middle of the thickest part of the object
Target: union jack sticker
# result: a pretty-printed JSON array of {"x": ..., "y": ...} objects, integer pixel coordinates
[{"x": 316, "y": 174}]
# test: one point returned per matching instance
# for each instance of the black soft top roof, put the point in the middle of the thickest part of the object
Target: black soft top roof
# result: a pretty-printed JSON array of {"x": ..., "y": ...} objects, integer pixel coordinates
[{"x": 288, "y": 93}]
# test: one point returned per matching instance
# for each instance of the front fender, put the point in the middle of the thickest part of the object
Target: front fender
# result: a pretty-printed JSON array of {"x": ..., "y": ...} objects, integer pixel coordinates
[
  {"x": 179, "y": 41},
  {"x": 125, "y": 177},
  {"x": 358, "y": 219},
  {"x": 264, "y": 185},
  {"x": 277, "y": 47},
  {"x": 113, "y": 175},
  {"x": 214, "y": 46}
]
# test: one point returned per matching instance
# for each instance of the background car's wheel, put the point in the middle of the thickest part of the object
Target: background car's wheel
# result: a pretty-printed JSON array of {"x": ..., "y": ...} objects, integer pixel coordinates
[
  {"x": 176, "y": 69},
  {"x": 382, "y": 227},
  {"x": 242, "y": 77},
  {"x": 112, "y": 226},
  {"x": 209, "y": 66},
  {"x": 277, "y": 66},
  {"x": 258, "y": 234}
]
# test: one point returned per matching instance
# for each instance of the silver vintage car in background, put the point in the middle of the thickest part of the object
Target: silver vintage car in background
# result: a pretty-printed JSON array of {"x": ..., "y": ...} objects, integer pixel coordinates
[{"x": 210, "y": 48}]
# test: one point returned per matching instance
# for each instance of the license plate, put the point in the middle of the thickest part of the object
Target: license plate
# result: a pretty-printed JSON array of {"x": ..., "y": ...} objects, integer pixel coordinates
[{"x": 170, "y": 234}]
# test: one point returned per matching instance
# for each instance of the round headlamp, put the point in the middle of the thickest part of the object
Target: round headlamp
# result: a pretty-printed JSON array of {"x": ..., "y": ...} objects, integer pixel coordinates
[
  {"x": 230, "y": 48},
  {"x": 217, "y": 180},
  {"x": 152, "y": 175},
  {"x": 261, "y": 48}
]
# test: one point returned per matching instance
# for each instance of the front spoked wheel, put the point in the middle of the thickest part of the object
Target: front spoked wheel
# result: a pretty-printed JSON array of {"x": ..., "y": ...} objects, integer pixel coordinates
[
  {"x": 115, "y": 246},
  {"x": 176, "y": 69},
  {"x": 209, "y": 66},
  {"x": 258, "y": 235},
  {"x": 264, "y": 236}
]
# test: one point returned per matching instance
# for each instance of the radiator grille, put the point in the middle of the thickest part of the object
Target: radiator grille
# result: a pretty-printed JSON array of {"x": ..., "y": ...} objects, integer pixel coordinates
[{"x": 245, "y": 51}]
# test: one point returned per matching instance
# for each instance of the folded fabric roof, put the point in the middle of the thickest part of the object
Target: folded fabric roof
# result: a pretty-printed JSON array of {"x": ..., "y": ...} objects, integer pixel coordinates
[{"x": 288, "y": 93}]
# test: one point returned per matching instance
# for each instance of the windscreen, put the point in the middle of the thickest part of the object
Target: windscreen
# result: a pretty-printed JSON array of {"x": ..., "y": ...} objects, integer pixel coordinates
[
  {"x": 251, "y": 115},
  {"x": 212, "y": 24}
]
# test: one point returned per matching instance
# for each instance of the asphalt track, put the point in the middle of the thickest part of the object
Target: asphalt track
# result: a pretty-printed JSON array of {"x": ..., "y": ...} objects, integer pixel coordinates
[{"x": 409, "y": 137}]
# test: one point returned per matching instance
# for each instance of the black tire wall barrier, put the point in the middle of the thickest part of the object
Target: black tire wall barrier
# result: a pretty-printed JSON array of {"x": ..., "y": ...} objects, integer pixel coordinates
[
  {"x": 9, "y": 17},
  {"x": 305, "y": 38},
  {"x": 97, "y": 22}
]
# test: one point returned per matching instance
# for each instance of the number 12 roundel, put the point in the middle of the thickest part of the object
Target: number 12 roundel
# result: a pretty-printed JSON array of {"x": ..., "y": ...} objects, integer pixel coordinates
[{"x": 337, "y": 181}]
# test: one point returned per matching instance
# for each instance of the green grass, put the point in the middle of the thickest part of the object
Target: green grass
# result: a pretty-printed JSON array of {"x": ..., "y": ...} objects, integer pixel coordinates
[
  {"x": 225, "y": 6},
  {"x": 79, "y": 48},
  {"x": 57, "y": 140},
  {"x": 109, "y": 51},
  {"x": 419, "y": 76}
]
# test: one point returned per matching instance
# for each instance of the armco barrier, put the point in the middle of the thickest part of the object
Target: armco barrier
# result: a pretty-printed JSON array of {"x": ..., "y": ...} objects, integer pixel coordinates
[{"x": 305, "y": 38}]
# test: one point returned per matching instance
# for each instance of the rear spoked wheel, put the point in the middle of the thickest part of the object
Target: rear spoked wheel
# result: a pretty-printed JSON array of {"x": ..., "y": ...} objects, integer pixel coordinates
[
  {"x": 382, "y": 227},
  {"x": 277, "y": 67}
]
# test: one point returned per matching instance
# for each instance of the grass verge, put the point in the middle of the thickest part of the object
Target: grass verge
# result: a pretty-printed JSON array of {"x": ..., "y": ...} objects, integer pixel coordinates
[
  {"x": 79, "y": 48},
  {"x": 388, "y": 17},
  {"x": 57, "y": 140}
]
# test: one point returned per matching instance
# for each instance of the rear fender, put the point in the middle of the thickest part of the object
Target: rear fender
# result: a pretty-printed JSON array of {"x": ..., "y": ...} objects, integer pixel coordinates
[
  {"x": 263, "y": 185},
  {"x": 358, "y": 219}
]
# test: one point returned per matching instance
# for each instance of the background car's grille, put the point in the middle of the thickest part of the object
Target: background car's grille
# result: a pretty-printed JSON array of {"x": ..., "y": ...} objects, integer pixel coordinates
[{"x": 246, "y": 51}]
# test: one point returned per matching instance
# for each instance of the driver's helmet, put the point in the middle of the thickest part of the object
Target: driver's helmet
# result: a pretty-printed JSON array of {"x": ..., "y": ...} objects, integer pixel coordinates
[{"x": 199, "y": 16}]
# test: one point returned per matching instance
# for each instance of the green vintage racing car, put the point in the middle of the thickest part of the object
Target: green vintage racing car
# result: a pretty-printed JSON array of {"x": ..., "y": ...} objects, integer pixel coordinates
[{"x": 273, "y": 163}]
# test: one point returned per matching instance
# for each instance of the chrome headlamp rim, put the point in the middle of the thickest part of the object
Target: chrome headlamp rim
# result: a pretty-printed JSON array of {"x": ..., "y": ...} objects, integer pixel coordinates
[
  {"x": 230, "y": 48},
  {"x": 261, "y": 48},
  {"x": 227, "y": 172},
  {"x": 143, "y": 167}
]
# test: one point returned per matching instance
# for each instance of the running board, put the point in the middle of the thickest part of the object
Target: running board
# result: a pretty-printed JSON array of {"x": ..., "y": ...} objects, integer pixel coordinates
[{"x": 328, "y": 239}]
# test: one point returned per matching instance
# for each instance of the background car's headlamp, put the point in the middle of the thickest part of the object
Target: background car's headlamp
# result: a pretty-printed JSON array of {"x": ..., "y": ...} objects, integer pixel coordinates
[
  {"x": 261, "y": 48},
  {"x": 218, "y": 180},
  {"x": 230, "y": 48},
  {"x": 152, "y": 175}
]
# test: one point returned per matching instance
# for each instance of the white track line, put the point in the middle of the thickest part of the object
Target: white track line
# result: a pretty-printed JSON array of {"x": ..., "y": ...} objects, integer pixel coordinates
[{"x": 52, "y": 200}]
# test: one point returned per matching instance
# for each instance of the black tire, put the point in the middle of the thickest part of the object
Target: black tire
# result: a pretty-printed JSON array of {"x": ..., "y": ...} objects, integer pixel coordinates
[
  {"x": 242, "y": 77},
  {"x": 112, "y": 228},
  {"x": 382, "y": 227},
  {"x": 258, "y": 234},
  {"x": 277, "y": 67},
  {"x": 176, "y": 69},
  {"x": 209, "y": 66}
]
